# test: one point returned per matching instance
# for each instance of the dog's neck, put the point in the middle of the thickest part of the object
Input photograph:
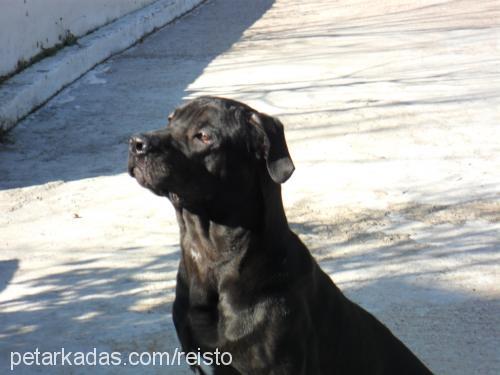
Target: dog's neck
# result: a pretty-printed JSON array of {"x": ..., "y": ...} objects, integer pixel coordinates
[{"x": 237, "y": 224}]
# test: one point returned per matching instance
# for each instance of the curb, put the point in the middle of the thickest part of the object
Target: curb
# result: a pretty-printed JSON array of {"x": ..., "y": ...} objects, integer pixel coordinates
[{"x": 31, "y": 88}]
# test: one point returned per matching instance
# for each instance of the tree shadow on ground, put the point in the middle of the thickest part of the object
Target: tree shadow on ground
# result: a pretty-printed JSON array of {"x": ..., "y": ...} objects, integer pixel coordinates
[
  {"x": 120, "y": 308},
  {"x": 83, "y": 132},
  {"x": 374, "y": 256},
  {"x": 424, "y": 270},
  {"x": 7, "y": 270}
]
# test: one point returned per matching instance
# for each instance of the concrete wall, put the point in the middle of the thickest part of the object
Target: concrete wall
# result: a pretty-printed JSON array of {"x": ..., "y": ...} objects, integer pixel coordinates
[{"x": 28, "y": 26}]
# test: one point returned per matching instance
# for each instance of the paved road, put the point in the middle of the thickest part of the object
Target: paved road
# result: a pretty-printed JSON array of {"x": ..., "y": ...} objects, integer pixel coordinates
[{"x": 392, "y": 117}]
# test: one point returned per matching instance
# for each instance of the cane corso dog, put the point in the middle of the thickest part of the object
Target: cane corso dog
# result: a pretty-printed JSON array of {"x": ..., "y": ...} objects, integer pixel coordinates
[{"x": 246, "y": 283}]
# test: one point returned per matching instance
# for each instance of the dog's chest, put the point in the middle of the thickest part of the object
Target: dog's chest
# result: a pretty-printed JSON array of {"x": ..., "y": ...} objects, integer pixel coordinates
[
  {"x": 199, "y": 264},
  {"x": 216, "y": 314},
  {"x": 205, "y": 253}
]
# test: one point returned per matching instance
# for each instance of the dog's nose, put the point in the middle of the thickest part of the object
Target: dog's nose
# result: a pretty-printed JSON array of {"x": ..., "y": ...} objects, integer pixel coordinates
[{"x": 139, "y": 144}]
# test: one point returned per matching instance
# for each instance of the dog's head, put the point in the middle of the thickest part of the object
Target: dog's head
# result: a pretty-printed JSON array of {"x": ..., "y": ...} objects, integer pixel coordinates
[{"x": 210, "y": 146}]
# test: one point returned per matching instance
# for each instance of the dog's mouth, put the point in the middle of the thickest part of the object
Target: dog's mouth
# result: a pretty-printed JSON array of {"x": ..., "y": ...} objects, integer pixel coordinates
[
  {"x": 146, "y": 175},
  {"x": 131, "y": 171},
  {"x": 134, "y": 165},
  {"x": 137, "y": 170},
  {"x": 139, "y": 175},
  {"x": 136, "y": 173}
]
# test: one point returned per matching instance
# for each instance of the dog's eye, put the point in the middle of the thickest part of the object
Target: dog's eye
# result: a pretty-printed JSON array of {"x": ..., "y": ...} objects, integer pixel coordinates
[{"x": 203, "y": 137}]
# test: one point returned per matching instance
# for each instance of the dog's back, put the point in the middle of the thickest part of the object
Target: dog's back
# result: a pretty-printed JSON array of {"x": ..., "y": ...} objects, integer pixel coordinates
[{"x": 353, "y": 341}]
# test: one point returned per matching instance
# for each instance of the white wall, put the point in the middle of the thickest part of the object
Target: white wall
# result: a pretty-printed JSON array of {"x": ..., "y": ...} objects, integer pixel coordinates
[{"x": 28, "y": 25}]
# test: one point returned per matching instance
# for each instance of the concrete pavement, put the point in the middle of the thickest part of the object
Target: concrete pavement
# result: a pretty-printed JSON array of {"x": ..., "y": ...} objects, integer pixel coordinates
[{"x": 391, "y": 115}]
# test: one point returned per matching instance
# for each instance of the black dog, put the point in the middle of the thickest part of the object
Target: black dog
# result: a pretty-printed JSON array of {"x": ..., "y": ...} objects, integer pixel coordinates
[{"x": 246, "y": 283}]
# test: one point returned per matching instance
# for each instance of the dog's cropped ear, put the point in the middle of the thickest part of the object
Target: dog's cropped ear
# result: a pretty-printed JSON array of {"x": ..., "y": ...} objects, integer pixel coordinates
[{"x": 271, "y": 144}]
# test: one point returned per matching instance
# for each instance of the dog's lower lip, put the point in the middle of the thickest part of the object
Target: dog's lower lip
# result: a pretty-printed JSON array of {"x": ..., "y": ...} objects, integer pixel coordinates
[{"x": 131, "y": 171}]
